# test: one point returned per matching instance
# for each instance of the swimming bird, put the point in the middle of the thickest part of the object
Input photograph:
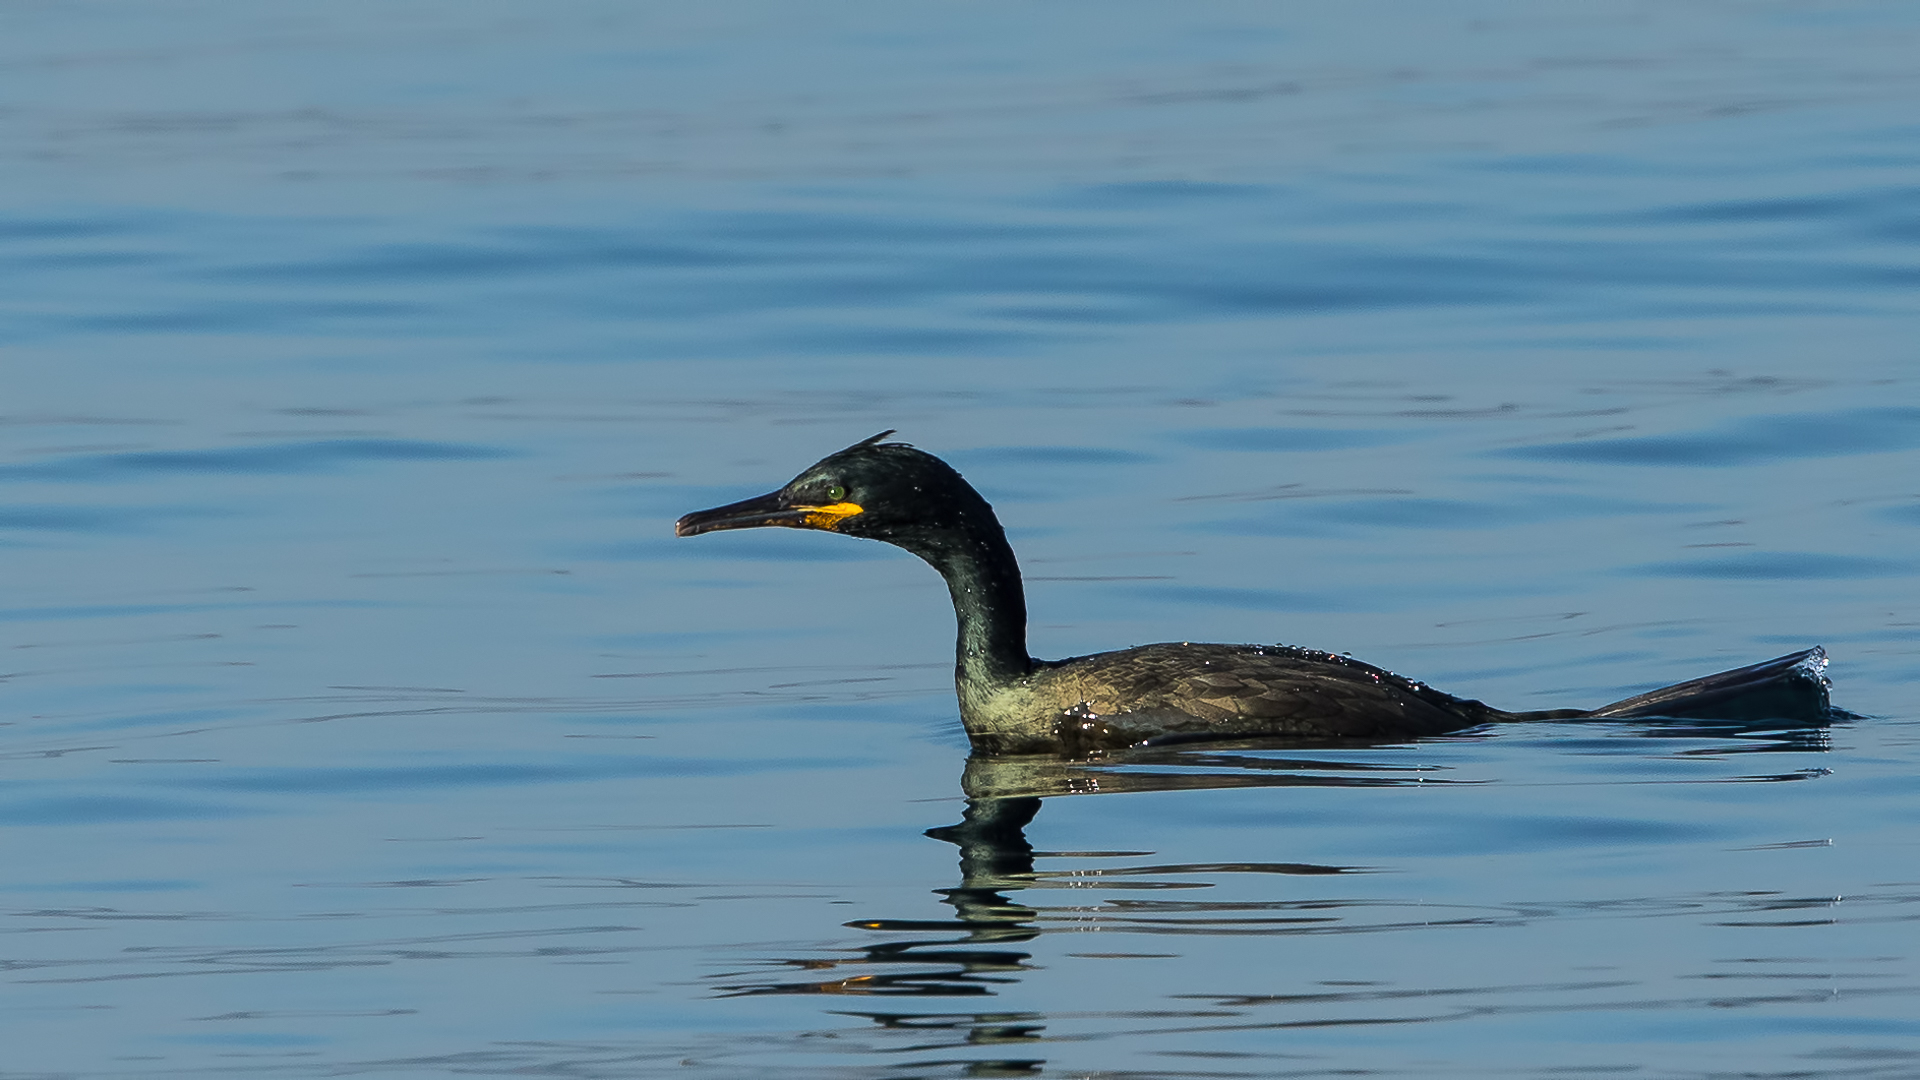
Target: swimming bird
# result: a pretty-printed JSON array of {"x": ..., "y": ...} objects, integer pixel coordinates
[{"x": 1012, "y": 703}]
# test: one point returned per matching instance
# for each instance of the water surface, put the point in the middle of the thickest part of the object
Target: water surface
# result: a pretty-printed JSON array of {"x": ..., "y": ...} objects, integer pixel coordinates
[{"x": 363, "y": 717}]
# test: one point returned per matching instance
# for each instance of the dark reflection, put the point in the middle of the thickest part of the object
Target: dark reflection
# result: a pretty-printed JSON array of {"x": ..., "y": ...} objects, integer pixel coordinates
[
  {"x": 1209, "y": 765},
  {"x": 973, "y": 951},
  {"x": 1747, "y": 736},
  {"x": 976, "y": 948}
]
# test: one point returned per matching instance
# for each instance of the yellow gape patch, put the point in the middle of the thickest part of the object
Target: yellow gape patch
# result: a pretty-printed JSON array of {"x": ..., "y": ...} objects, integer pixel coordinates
[{"x": 829, "y": 517}]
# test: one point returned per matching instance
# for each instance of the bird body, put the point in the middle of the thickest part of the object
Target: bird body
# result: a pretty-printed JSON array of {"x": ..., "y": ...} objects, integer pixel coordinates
[
  {"x": 1176, "y": 691},
  {"x": 1190, "y": 691}
]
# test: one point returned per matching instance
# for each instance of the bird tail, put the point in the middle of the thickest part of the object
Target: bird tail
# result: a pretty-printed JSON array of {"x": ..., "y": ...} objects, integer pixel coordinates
[{"x": 1791, "y": 687}]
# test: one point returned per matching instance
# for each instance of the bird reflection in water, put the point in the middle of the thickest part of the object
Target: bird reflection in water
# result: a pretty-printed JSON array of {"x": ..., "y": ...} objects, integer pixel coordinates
[
  {"x": 995, "y": 856},
  {"x": 974, "y": 950},
  {"x": 977, "y": 947}
]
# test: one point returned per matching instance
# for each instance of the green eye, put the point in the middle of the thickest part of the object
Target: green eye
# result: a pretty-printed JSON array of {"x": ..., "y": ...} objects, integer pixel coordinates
[{"x": 836, "y": 493}]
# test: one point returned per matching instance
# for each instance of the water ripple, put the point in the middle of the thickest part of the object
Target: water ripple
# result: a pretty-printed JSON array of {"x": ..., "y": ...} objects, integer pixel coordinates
[
  {"x": 1747, "y": 441},
  {"x": 282, "y": 458}
]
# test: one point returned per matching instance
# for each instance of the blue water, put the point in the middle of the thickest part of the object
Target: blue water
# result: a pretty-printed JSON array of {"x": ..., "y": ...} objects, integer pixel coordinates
[{"x": 363, "y": 717}]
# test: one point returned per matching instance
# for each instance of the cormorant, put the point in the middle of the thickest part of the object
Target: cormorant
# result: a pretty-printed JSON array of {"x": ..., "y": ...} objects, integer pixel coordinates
[{"x": 1012, "y": 703}]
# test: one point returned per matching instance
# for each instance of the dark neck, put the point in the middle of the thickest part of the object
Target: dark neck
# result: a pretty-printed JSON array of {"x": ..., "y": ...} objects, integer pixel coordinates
[{"x": 988, "y": 601}]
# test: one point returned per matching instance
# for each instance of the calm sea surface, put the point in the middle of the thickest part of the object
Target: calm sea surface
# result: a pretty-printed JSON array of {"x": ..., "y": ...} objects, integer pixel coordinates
[{"x": 360, "y": 715}]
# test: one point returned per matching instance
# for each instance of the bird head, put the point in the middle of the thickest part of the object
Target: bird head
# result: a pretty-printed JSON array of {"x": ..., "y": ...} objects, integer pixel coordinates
[{"x": 873, "y": 489}]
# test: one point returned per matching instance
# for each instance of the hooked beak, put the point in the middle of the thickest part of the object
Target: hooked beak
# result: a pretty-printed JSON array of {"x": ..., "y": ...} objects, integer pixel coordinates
[{"x": 761, "y": 511}]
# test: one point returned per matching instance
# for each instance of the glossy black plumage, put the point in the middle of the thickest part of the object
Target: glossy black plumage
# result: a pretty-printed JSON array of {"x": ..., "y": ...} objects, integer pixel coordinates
[{"x": 1012, "y": 703}]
